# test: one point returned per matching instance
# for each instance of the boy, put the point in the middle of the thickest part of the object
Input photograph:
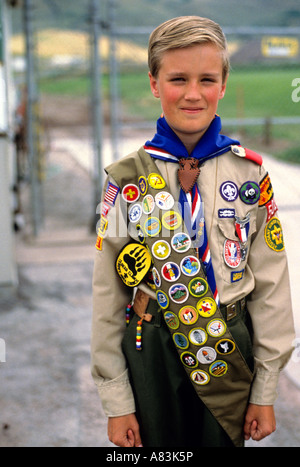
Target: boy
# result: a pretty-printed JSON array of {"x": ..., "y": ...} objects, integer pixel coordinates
[{"x": 209, "y": 325}]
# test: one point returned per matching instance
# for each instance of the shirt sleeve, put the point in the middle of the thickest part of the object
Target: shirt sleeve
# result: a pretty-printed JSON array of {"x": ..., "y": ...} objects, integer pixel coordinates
[
  {"x": 110, "y": 298},
  {"x": 270, "y": 307}
]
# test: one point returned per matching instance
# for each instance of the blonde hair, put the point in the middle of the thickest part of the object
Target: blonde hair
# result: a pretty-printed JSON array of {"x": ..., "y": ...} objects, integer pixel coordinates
[{"x": 185, "y": 31}]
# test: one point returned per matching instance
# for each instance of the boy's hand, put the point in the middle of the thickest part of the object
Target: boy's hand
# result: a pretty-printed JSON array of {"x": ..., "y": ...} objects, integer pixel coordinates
[
  {"x": 124, "y": 431},
  {"x": 259, "y": 422}
]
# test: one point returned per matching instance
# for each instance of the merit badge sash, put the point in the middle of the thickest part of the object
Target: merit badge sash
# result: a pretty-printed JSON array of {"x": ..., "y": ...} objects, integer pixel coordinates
[{"x": 206, "y": 348}]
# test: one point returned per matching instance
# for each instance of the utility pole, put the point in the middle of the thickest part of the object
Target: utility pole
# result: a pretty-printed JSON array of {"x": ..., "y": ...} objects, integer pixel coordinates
[{"x": 96, "y": 102}]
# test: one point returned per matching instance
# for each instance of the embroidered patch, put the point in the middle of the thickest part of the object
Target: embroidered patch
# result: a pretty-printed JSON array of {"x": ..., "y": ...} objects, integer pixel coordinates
[
  {"x": 218, "y": 368},
  {"x": 266, "y": 190},
  {"x": 206, "y": 307},
  {"x": 152, "y": 226},
  {"x": 156, "y": 278},
  {"x": 143, "y": 185},
  {"x": 188, "y": 315},
  {"x": 225, "y": 346},
  {"x": 102, "y": 226},
  {"x": 237, "y": 275},
  {"x": 272, "y": 208},
  {"x": 161, "y": 250},
  {"x": 229, "y": 191},
  {"x": 178, "y": 293},
  {"x": 162, "y": 299},
  {"x": 189, "y": 359},
  {"x": 249, "y": 192},
  {"x": 171, "y": 320},
  {"x": 170, "y": 272},
  {"x": 198, "y": 336},
  {"x": 216, "y": 328},
  {"x": 99, "y": 243},
  {"x": 232, "y": 253},
  {"x": 130, "y": 193},
  {"x": 148, "y": 204},
  {"x": 164, "y": 200},
  {"x": 226, "y": 213},
  {"x": 105, "y": 208},
  {"x": 140, "y": 233},
  {"x": 133, "y": 263},
  {"x": 156, "y": 181},
  {"x": 180, "y": 340},
  {"x": 190, "y": 266},
  {"x": 274, "y": 235},
  {"x": 206, "y": 355},
  {"x": 198, "y": 287},
  {"x": 111, "y": 194},
  {"x": 171, "y": 220},
  {"x": 135, "y": 213},
  {"x": 200, "y": 377},
  {"x": 181, "y": 242}
]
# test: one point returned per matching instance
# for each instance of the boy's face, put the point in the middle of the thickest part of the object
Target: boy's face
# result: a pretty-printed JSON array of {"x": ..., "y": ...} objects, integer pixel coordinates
[{"x": 190, "y": 85}]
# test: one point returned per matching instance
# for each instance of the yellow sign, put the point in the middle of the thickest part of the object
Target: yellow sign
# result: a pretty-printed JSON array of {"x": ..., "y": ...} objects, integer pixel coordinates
[{"x": 278, "y": 47}]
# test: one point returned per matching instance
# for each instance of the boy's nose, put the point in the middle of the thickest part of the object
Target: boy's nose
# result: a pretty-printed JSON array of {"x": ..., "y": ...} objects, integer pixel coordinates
[{"x": 193, "y": 93}]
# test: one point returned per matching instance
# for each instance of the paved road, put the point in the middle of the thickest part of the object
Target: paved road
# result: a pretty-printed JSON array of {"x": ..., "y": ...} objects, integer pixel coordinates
[{"x": 47, "y": 397}]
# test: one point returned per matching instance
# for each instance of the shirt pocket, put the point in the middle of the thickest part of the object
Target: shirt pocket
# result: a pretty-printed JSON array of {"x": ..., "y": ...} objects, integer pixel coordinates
[{"x": 233, "y": 252}]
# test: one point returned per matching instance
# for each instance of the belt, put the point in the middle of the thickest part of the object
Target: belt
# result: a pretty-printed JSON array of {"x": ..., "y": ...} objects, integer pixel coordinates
[{"x": 231, "y": 310}]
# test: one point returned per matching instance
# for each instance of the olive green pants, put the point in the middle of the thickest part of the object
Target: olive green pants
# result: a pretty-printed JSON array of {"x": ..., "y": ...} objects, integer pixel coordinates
[{"x": 168, "y": 409}]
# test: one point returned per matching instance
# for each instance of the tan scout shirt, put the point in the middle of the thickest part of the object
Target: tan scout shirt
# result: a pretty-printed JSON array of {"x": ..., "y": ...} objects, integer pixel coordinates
[{"x": 265, "y": 276}]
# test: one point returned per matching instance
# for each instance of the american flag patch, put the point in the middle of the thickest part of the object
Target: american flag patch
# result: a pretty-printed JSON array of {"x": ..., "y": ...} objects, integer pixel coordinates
[{"x": 111, "y": 194}]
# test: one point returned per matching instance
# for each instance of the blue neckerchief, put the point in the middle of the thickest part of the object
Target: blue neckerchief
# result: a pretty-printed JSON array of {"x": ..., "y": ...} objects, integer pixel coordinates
[{"x": 212, "y": 143}]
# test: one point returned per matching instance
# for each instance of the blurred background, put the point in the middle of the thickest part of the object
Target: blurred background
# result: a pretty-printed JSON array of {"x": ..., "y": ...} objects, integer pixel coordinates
[{"x": 74, "y": 96}]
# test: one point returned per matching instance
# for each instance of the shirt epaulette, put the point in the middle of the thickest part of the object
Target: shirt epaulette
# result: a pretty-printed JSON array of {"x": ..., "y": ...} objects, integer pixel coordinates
[{"x": 247, "y": 154}]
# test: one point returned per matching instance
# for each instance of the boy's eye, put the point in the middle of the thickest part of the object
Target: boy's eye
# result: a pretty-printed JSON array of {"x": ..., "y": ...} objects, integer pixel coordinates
[{"x": 177, "y": 79}]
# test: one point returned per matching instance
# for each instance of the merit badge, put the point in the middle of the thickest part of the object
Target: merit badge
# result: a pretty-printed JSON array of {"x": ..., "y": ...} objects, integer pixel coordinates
[
  {"x": 198, "y": 336},
  {"x": 152, "y": 226},
  {"x": 171, "y": 320},
  {"x": 198, "y": 287},
  {"x": 206, "y": 307},
  {"x": 135, "y": 213},
  {"x": 156, "y": 278},
  {"x": 133, "y": 263},
  {"x": 181, "y": 243},
  {"x": 164, "y": 200},
  {"x": 232, "y": 253},
  {"x": 130, "y": 193},
  {"x": 180, "y": 340},
  {"x": 274, "y": 235},
  {"x": 250, "y": 192},
  {"x": 225, "y": 346},
  {"x": 143, "y": 185},
  {"x": 200, "y": 377},
  {"x": 111, "y": 194},
  {"x": 206, "y": 355},
  {"x": 156, "y": 181},
  {"x": 171, "y": 220},
  {"x": 216, "y": 328},
  {"x": 218, "y": 368},
  {"x": 188, "y": 315},
  {"x": 226, "y": 213},
  {"x": 189, "y": 359},
  {"x": 162, "y": 299},
  {"x": 272, "y": 208},
  {"x": 170, "y": 272},
  {"x": 190, "y": 265},
  {"x": 266, "y": 190},
  {"x": 242, "y": 227},
  {"x": 161, "y": 249},
  {"x": 178, "y": 293},
  {"x": 229, "y": 191},
  {"x": 148, "y": 204}
]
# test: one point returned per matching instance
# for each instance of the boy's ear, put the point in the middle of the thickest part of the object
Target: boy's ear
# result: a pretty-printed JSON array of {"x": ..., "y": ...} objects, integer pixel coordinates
[
  {"x": 223, "y": 89},
  {"x": 154, "y": 85}
]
